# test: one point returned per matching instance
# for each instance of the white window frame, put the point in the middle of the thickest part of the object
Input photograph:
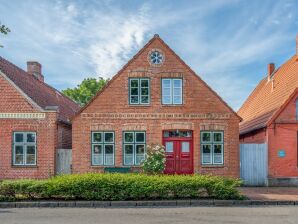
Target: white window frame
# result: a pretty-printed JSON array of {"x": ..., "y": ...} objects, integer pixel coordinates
[
  {"x": 172, "y": 96},
  {"x": 212, "y": 143},
  {"x": 139, "y": 91},
  {"x": 24, "y": 144},
  {"x": 103, "y": 143},
  {"x": 134, "y": 143}
]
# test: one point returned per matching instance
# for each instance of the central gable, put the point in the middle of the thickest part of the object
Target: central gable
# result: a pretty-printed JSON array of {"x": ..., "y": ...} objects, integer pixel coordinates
[{"x": 165, "y": 72}]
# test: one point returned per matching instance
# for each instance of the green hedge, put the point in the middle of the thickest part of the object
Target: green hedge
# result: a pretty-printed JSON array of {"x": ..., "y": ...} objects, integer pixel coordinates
[{"x": 121, "y": 187}]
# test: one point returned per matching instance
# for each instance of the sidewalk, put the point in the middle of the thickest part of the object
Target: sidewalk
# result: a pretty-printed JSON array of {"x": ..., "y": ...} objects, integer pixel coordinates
[{"x": 271, "y": 193}]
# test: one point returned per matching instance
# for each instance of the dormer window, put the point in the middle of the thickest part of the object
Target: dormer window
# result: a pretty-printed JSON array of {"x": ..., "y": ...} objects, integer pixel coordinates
[{"x": 139, "y": 91}]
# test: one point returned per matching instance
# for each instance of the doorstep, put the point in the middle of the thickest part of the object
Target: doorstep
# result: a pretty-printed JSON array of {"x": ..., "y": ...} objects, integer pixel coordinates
[{"x": 152, "y": 203}]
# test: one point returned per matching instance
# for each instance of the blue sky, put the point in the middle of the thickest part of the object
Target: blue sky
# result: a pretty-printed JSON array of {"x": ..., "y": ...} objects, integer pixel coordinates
[{"x": 227, "y": 42}]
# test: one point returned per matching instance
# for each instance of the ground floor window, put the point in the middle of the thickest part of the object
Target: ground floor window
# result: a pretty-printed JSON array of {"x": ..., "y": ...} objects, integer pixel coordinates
[
  {"x": 24, "y": 148},
  {"x": 212, "y": 147},
  {"x": 134, "y": 143},
  {"x": 103, "y": 148}
]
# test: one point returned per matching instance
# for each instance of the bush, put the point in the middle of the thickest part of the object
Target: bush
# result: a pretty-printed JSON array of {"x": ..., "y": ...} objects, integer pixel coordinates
[
  {"x": 121, "y": 187},
  {"x": 154, "y": 162}
]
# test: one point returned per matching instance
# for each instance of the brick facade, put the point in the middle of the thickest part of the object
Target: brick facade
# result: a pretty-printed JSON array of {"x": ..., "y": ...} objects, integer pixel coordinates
[
  {"x": 20, "y": 113},
  {"x": 202, "y": 109}
]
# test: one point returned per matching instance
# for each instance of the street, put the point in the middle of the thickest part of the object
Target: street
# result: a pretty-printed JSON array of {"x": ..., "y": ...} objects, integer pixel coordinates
[{"x": 264, "y": 215}]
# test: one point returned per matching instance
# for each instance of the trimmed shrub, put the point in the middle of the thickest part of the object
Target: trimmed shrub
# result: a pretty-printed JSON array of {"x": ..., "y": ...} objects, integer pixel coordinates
[{"x": 95, "y": 186}]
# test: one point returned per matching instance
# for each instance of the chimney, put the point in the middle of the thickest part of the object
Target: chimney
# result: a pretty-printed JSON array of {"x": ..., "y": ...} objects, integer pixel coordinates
[
  {"x": 271, "y": 68},
  {"x": 34, "y": 68}
]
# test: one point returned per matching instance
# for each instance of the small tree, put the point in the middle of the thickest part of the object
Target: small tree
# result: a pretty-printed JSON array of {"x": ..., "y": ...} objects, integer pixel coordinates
[{"x": 155, "y": 160}]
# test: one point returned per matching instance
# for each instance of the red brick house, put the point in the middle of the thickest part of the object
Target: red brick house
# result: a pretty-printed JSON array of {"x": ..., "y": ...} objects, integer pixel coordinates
[
  {"x": 34, "y": 121},
  {"x": 157, "y": 98},
  {"x": 270, "y": 116}
]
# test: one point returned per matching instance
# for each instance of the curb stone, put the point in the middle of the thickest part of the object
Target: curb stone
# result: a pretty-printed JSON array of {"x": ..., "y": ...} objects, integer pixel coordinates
[{"x": 159, "y": 203}]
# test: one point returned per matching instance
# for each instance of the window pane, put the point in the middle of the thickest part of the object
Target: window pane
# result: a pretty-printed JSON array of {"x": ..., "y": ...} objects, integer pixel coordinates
[
  {"x": 109, "y": 154},
  {"x": 206, "y": 137},
  {"x": 169, "y": 146},
  {"x": 217, "y": 137},
  {"x": 166, "y": 134},
  {"x": 97, "y": 149},
  {"x": 166, "y": 99},
  {"x": 177, "y": 92},
  {"x": 109, "y": 137},
  {"x": 218, "y": 153},
  {"x": 19, "y": 149},
  {"x": 145, "y": 99},
  {"x": 134, "y": 83},
  {"x": 134, "y": 91},
  {"x": 19, "y": 137},
  {"x": 31, "y": 137},
  {"x": 128, "y": 154},
  {"x": 97, "y": 155},
  {"x": 19, "y": 159},
  {"x": 166, "y": 83},
  {"x": 206, "y": 155},
  {"x": 30, "y": 149},
  {"x": 145, "y": 91},
  {"x": 177, "y": 83},
  {"x": 97, "y": 137},
  {"x": 166, "y": 92},
  {"x": 140, "y": 137},
  {"x": 30, "y": 159},
  {"x": 140, "y": 153},
  {"x": 185, "y": 146},
  {"x": 144, "y": 83},
  {"x": 177, "y": 100},
  {"x": 128, "y": 136},
  {"x": 134, "y": 99}
]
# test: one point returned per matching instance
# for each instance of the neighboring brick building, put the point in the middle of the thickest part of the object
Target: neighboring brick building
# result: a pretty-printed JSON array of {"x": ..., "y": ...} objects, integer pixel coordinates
[
  {"x": 157, "y": 98},
  {"x": 270, "y": 116},
  {"x": 34, "y": 121}
]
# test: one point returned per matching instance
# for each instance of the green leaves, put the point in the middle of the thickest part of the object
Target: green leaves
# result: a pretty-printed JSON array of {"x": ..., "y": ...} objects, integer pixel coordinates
[
  {"x": 108, "y": 186},
  {"x": 4, "y": 30},
  {"x": 86, "y": 90},
  {"x": 154, "y": 162}
]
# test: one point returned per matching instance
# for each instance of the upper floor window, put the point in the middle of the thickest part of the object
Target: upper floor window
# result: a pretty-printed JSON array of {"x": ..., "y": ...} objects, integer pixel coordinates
[
  {"x": 139, "y": 91},
  {"x": 103, "y": 148},
  {"x": 297, "y": 109},
  {"x": 24, "y": 148},
  {"x": 171, "y": 91},
  {"x": 212, "y": 147},
  {"x": 134, "y": 143}
]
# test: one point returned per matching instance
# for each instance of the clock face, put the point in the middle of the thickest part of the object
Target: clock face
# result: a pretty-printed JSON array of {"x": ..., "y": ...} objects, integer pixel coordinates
[{"x": 156, "y": 57}]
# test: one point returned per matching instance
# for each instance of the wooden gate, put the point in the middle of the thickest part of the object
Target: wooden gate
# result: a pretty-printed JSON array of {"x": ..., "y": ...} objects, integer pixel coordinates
[
  {"x": 253, "y": 164},
  {"x": 63, "y": 161}
]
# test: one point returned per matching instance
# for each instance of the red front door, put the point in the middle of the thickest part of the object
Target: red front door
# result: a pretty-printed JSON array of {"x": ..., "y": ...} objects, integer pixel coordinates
[{"x": 179, "y": 152}]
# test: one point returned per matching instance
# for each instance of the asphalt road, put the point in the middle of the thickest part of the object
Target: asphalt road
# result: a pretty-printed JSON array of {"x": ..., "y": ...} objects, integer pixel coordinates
[{"x": 229, "y": 215}]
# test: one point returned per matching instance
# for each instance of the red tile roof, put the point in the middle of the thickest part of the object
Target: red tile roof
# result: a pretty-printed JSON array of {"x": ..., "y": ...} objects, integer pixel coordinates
[
  {"x": 41, "y": 93},
  {"x": 269, "y": 96}
]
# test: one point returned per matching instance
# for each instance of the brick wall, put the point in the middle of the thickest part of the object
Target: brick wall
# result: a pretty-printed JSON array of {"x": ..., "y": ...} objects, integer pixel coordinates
[
  {"x": 64, "y": 136},
  {"x": 104, "y": 113},
  {"x": 46, "y": 130}
]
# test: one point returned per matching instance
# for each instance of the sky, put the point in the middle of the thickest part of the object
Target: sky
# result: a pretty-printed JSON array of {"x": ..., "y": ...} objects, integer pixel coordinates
[{"x": 228, "y": 43}]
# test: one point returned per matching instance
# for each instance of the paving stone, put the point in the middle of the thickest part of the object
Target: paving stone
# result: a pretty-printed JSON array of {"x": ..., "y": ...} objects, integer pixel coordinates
[
  {"x": 69, "y": 204},
  {"x": 49, "y": 204},
  {"x": 286, "y": 203},
  {"x": 7, "y": 204},
  {"x": 84, "y": 204},
  {"x": 223, "y": 202},
  {"x": 183, "y": 202},
  {"x": 202, "y": 202},
  {"x": 27, "y": 204},
  {"x": 123, "y": 203},
  {"x": 100, "y": 204}
]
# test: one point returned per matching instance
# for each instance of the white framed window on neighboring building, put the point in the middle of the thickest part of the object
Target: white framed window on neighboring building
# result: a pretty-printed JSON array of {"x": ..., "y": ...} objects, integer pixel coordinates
[
  {"x": 24, "y": 148},
  {"x": 172, "y": 91},
  {"x": 103, "y": 148},
  {"x": 212, "y": 147},
  {"x": 134, "y": 147}
]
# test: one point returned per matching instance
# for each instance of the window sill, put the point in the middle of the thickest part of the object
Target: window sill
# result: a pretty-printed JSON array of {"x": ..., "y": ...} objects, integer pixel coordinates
[
  {"x": 24, "y": 166},
  {"x": 213, "y": 166},
  {"x": 172, "y": 105},
  {"x": 139, "y": 105}
]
